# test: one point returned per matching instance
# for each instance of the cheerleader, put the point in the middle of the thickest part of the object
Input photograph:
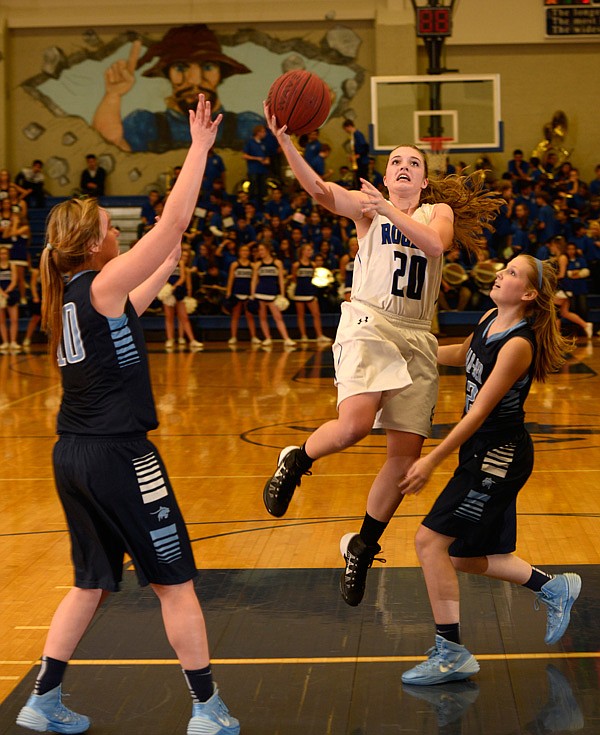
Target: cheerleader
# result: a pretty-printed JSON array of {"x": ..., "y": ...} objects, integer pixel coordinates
[
  {"x": 305, "y": 293},
  {"x": 267, "y": 284},
  {"x": 239, "y": 285},
  {"x": 173, "y": 298},
  {"x": 9, "y": 302},
  {"x": 16, "y": 232}
]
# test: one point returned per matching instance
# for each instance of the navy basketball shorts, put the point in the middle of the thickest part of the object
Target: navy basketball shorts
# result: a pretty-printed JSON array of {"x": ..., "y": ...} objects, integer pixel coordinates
[
  {"x": 118, "y": 499},
  {"x": 478, "y": 505}
]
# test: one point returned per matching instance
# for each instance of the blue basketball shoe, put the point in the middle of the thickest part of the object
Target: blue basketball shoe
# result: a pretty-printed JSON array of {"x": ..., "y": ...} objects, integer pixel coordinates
[
  {"x": 47, "y": 713},
  {"x": 447, "y": 661},
  {"x": 558, "y": 595},
  {"x": 212, "y": 718}
]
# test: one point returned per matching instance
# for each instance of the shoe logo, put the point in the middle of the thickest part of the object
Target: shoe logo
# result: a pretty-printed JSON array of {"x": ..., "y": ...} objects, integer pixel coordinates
[
  {"x": 446, "y": 668},
  {"x": 161, "y": 514}
]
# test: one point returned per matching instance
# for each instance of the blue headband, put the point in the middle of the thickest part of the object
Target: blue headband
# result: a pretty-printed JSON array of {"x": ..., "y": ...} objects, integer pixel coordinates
[{"x": 540, "y": 268}]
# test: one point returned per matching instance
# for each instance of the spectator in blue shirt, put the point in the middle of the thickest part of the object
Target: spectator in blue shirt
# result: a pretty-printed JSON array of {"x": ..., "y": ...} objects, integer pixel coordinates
[{"x": 257, "y": 161}]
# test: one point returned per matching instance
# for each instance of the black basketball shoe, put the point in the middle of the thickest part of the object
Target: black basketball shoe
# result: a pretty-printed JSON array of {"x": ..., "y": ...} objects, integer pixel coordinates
[
  {"x": 358, "y": 557},
  {"x": 279, "y": 490}
]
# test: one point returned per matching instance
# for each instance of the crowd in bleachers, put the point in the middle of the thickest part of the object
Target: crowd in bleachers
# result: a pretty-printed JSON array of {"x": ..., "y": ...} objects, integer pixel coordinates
[
  {"x": 268, "y": 225},
  {"x": 549, "y": 212}
]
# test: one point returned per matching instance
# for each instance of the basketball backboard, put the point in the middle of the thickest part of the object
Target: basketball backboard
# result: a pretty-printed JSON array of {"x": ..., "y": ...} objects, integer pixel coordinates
[{"x": 462, "y": 107}]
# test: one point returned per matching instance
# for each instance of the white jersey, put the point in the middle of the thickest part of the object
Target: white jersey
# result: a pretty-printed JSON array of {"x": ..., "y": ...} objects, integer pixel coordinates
[{"x": 393, "y": 274}]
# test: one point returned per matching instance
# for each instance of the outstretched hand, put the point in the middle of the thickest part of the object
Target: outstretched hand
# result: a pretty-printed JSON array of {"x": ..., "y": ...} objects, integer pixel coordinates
[
  {"x": 417, "y": 477},
  {"x": 202, "y": 126},
  {"x": 279, "y": 132},
  {"x": 374, "y": 201}
]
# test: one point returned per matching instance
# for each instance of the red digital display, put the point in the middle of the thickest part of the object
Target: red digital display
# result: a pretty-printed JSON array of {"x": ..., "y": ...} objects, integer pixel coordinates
[{"x": 433, "y": 21}]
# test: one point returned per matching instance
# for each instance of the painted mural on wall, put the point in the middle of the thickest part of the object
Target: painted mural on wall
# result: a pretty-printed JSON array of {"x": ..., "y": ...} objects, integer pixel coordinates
[{"x": 136, "y": 91}]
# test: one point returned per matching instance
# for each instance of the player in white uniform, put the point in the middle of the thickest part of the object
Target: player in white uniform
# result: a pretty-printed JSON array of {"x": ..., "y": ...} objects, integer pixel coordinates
[{"x": 384, "y": 353}]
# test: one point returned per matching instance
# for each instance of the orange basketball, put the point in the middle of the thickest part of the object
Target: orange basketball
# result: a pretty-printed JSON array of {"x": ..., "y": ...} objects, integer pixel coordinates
[{"x": 299, "y": 99}]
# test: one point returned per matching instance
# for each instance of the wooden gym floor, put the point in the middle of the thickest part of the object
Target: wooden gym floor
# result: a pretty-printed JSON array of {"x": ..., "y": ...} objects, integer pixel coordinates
[{"x": 290, "y": 657}]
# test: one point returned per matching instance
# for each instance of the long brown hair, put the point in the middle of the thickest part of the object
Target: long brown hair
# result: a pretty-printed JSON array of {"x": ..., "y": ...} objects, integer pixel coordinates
[
  {"x": 474, "y": 207},
  {"x": 552, "y": 348},
  {"x": 72, "y": 228}
]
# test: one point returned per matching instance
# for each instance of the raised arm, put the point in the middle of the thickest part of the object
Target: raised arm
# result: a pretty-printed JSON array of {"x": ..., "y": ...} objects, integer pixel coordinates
[
  {"x": 126, "y": 272},
  {"x": 326, "y": 193},
  {"x": 142, "y": 296}
]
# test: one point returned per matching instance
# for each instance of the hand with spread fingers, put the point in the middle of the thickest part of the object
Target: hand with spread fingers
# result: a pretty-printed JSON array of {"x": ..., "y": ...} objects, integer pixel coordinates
[
  {"x": 373, "y": 201},
  {"x": 201, "y": 123},
  {"x": 417, "y": 476}
]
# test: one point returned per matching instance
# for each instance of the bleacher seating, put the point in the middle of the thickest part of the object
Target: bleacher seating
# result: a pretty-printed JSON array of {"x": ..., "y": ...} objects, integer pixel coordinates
[{"x": 125, "y": 212}]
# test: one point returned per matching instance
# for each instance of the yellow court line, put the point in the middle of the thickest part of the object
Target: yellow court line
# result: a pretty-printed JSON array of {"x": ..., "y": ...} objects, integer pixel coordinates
[
  {"x": 330, "y": 659},
  {"x": 591, "y": 470},
  {"x": 32, "y": 627}
]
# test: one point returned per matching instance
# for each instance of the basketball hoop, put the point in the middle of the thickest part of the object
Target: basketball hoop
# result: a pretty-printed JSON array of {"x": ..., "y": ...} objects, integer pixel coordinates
[{"x": 437, "y": 154}]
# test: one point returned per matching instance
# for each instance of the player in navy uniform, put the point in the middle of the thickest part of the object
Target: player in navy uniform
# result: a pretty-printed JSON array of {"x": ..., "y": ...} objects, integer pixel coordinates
[
  {"x": 239, "y": 287},
  {"x": 111, "y": 480},
  {"x": 472, "y": 525},
  {"x": 384, "y": 352},
  {"x": 305, "y": 293}
]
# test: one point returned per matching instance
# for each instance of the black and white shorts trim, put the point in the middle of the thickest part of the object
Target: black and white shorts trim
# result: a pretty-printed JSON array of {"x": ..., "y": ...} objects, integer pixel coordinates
[
  {"x": 118, "y": 499},
  {"x": 478, "y": 505}
]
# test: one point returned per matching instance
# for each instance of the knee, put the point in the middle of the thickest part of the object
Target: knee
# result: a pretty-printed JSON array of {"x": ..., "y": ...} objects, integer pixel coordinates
[
  {"x": 355, "y": 429},
  {"x": 428, "y": 543}
]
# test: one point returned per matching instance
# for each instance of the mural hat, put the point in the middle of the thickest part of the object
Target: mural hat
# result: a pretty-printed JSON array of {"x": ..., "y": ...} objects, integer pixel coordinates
[{"x": 189, "y": 43}]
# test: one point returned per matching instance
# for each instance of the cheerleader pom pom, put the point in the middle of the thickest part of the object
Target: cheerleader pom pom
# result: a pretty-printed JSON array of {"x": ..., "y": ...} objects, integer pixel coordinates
[
  {"x": 166, "y": 295},
  {"x": 281, "y": 303},
  {"x": 191, "y": 304}
]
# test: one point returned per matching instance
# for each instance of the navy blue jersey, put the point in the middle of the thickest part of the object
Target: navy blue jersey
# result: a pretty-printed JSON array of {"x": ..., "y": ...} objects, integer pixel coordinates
[
  {"x": 268, "y": 279},
  {"x": 481, "y": 359},
  {"x": 305, "y": 291},
  {"x": 175, "y": 275},
  {"x": 242, "y": 280},
  {"x": 5, "y": 277},
  {"x": 104, "y": 368}
]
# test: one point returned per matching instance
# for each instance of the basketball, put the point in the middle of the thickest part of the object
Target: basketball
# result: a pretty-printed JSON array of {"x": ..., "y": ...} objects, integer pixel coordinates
[{"x": 299, "y": 99}]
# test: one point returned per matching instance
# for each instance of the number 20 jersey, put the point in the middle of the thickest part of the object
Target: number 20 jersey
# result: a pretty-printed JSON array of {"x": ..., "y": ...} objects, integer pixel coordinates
[{"x": 393, "y": 274}]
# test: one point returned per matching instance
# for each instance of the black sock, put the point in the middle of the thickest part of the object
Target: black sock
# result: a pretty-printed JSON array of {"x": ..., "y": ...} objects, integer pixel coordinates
[
  {"x": 50, "y": 675},
  {"x": 449, "y": 631},
  {"x": 372, "y": 530},
  {"x": 200, "y": 682},
  {"x": 304, "y": 460},
  {"x": 537, "y": 580}
]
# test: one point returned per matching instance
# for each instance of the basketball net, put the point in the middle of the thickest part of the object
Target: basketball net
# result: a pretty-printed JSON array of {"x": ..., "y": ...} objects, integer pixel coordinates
[{"x": 437, "y": 154}]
